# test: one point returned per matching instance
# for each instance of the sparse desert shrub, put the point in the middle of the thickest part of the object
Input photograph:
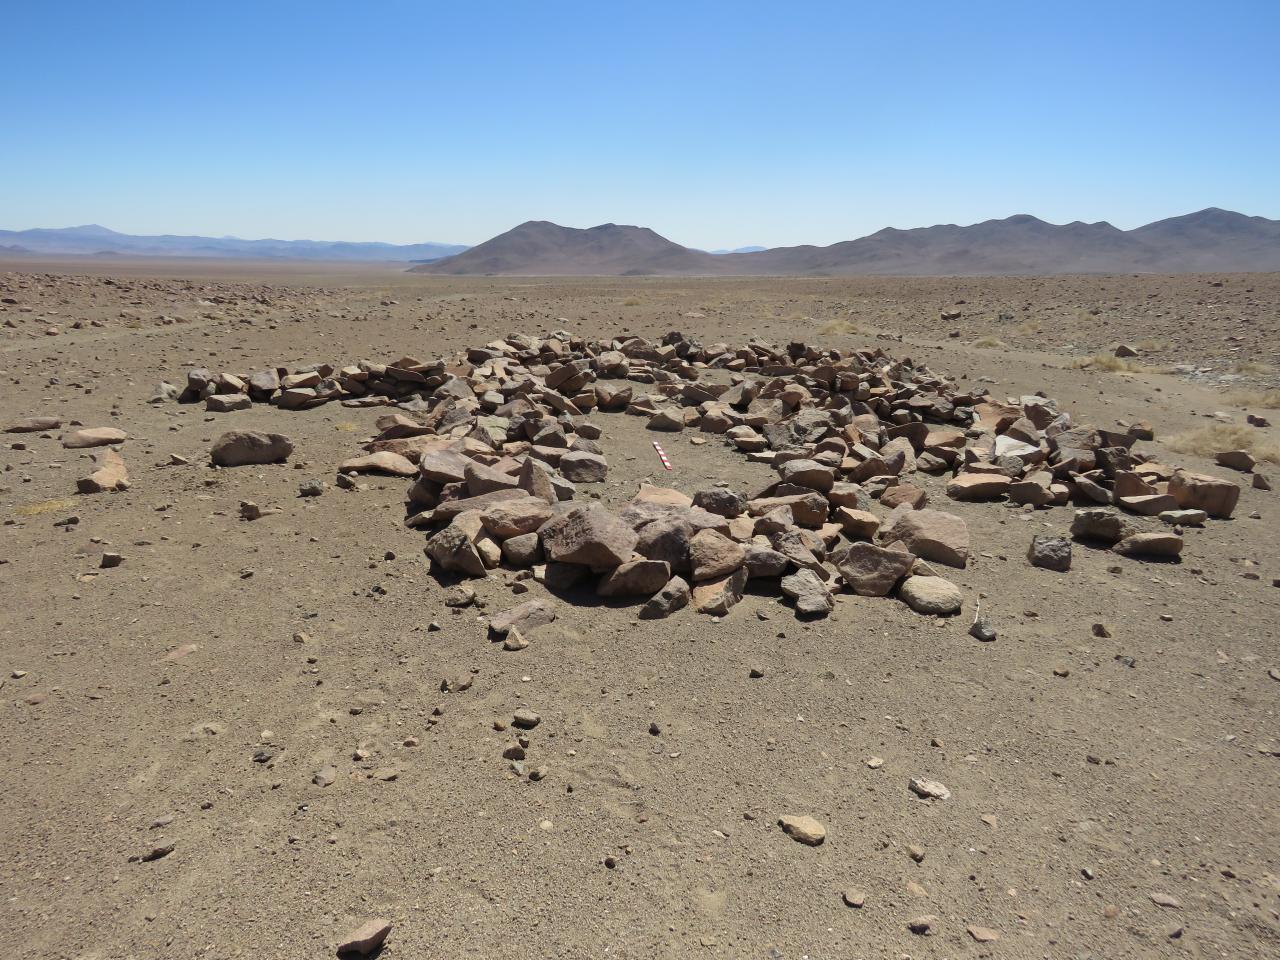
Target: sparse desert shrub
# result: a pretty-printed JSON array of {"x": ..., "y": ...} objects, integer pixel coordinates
[
  {"x": 1215, "y": 438},
  {"x": 845, "y": 327},
  {"x": 1108, "y": 363},
  {"x": 1153, "y": 345},
  {"x": 1111, "y": 364},
  {"x": 631, "y": 302},
  {"x": 989, "y": 343},
  {"x": 1266, "y": 399},
  {"x": 1027, "y": 327},
  {"x": 1251, "y": 367}
]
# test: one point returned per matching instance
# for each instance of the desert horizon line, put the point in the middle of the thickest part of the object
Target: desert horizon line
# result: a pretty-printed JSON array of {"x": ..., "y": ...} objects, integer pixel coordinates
[{"x": 8, "y": 233}]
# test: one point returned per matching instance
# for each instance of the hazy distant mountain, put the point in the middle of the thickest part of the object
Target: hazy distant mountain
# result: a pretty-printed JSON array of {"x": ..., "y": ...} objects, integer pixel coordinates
[
  {"x": 1212, "y": 239},
  {"x": 540, "y": 248},
  {"x": 1018, "y": 245},
  {"x": 95, "y": 240},
  {"x": 737, "y": 250}
]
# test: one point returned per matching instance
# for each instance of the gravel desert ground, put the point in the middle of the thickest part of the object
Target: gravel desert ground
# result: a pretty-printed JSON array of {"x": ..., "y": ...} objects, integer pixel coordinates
[{"x": 247, "y": 738}]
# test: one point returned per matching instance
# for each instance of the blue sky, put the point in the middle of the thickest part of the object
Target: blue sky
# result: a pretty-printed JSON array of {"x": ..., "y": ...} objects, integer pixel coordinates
[{"x": 717, "y": 124}]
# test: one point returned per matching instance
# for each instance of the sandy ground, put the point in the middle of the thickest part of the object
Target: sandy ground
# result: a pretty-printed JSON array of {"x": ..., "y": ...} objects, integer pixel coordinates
[{"x": 1091, "y": 776}]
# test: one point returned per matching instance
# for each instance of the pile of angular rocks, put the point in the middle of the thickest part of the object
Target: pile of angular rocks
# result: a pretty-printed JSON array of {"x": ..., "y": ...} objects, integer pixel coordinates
[{"x": 497, "y": 440}]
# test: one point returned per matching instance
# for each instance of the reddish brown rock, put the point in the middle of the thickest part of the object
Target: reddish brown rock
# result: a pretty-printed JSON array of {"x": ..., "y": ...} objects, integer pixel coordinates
[
  {"x": 811, "y": 596},
  {"x": 803, "y": 829},
  {"x": 589, "y": 535},
  {"x": 857, "y": 524},
  {"x": 673, "y": 596},
  {"x": 535, "y": 478},
  {"x": 872, "y": 571},
  {"x": 662, "y": 495},
  {"x": 638, "y": 577},
  {"x": 904, "y": 494},
  {"x": 1241, "y": 460},
  {"x": 578, "y": 466},
  {"x": 384, "y": 461},
  {"x": 808, "y": 473},
  {"x": 977, "y": 486},
  {"x": 845, "y": 495},
  {"x": 713, "y": 555},
  {"x": 522, "y": 551},
  {"x": 237, "y": 448},
  {"x": 764, "y": 561},
  {"x": 612, "y": 397},
  {"x": 1149, "y": 505},
  {"x": 1100, "y": 525},
  {"x": 929, "y": 534},
  {"x": 808, "y": 509},
  {"x": 996, "y": 416},
  {"x": 1128, "y": 483},
  {"x": 414, "y": 448},
  {"x": 93, "y": 437},
  {"x": 1036, "y": 490},
  {"x": 442, "y": 466},
  {"x": 525, "y": 617},
  {"x": 454, "y": 549},
  {"x": 511, "y": 518},
  {"x": 873, "y": 466},
  {"x": 718, "y": 597},
  {"x": 227, "y": 402},
  {"x": 931, "y": 595},
  {"x": 365, "y": 939},
  {"x": 34, "y": 425},
  {"x": 1159, "y": 545},
  {"x": 481, "y": 479},
  {"x": 1194, "y": 491},
  {"x": 111, "y": 474}
]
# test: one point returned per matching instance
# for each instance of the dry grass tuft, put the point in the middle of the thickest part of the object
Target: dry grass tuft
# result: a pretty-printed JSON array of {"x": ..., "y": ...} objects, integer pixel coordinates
[
  {"x": 1154, "y": 346},
  {"x": 845, "y": 327},
  {"x": 1214, "y": 439},
  {"x": 1110, "y": 364},
  {"x": 45, "y": 506},
  {"x": 1266, "y": 399},
  {"x": 631, "y": 302},
  {"x": 1251, "y": 367},
  {"x": 989, "y": 343},
  {"x": 1028, "y": 327}
]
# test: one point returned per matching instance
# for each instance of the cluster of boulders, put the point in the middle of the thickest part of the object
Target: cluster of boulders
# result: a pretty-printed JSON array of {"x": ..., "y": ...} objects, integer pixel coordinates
[
  {"x": 109, "y": 472},
  {"x": 497, "y": 440},
  {"x": 360, "y": 384}
]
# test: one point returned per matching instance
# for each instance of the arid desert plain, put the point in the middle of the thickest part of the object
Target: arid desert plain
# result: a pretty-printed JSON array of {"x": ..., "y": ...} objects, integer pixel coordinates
[{"x": 247, "y": 710}]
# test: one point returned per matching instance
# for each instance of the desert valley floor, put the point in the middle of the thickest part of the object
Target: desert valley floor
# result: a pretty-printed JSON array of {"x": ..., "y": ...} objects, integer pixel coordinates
[{"x": 248, "y": 738}]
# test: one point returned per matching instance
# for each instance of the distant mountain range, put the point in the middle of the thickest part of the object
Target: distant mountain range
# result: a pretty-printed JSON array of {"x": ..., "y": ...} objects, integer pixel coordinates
[
  {"x": 96, "y": 240},
  {"x": 1210, "y": 240},
  {"x": 541, "y": 248}
]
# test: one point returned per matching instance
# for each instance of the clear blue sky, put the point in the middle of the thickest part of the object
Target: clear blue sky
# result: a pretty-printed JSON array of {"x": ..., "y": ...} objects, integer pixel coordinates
[{"x": 717, "y": 124}]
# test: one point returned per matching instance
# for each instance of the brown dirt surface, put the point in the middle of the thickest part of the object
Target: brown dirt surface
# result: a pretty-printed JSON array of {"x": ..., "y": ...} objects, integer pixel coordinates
[{"x": 1110, "y": 796}]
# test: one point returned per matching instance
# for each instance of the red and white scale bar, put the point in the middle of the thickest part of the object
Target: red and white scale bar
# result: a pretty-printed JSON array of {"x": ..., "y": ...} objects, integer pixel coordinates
[{"x": 662, "y": 455}]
